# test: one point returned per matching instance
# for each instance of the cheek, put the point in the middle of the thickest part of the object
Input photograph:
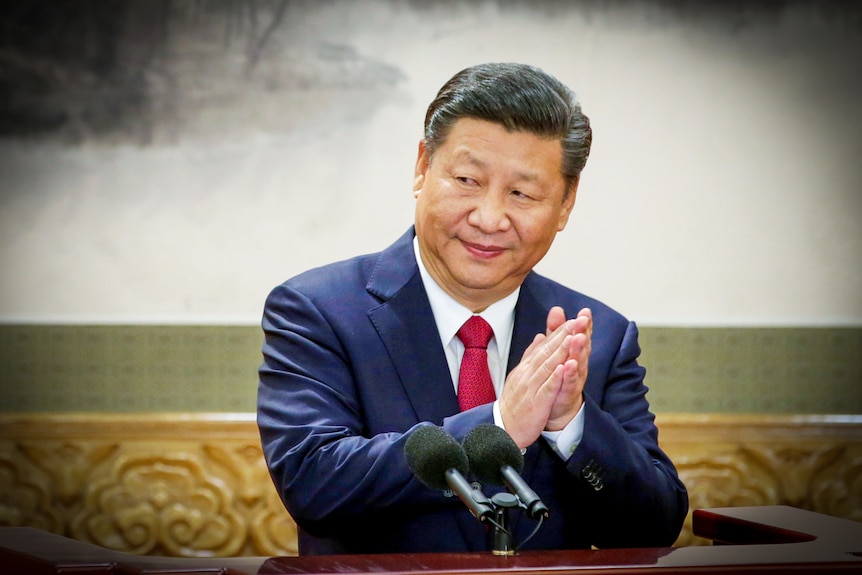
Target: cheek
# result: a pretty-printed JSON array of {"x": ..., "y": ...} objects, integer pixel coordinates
[
  {"x": 535, "y": 233},
  {"x": 442, "y": 210}
]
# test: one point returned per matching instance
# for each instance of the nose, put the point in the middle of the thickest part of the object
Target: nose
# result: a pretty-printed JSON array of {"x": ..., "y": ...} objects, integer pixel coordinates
[{"x": 490, "y": 213}]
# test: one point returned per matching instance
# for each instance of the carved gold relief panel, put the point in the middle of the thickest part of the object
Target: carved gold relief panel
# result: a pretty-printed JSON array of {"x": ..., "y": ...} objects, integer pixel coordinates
[
  {"x": 180, "y": 495},
  {"x": 197, "y": 486},
  {"x": 731, "y": 461}
]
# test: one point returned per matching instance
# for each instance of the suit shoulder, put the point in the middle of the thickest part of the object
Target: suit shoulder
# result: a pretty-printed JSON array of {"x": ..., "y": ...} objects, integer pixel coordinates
[
  {"x": 340, "y": 276},
  {"x": 356, "y": 273}
]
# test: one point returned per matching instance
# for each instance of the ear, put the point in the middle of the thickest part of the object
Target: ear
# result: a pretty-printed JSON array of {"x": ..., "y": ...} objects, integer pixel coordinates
[
  {"x": 568, "y": 205},
  {"x": 422, "y": 161}
]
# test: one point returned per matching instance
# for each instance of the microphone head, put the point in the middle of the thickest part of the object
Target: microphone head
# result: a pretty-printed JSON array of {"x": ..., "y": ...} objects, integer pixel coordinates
[
  {"x": 431, "y": 451},
  {"x": 488, "y": 449}
]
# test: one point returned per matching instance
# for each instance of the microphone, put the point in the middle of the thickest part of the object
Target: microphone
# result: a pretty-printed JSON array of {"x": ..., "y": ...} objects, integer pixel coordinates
[
  {"x": 495, "y": 458},
  {"x": 439, "y": 462}
]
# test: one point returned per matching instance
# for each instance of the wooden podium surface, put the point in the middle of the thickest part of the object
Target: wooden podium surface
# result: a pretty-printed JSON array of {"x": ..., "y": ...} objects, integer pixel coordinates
[{"x": 761, "y": 540}]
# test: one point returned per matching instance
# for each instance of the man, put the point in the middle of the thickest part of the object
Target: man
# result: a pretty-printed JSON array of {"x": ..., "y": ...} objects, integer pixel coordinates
[{"x": 359, "y": 354}]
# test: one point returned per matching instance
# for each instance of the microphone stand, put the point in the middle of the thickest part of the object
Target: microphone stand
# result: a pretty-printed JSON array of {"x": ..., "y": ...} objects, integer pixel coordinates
[{"x": 503, "y": 544}]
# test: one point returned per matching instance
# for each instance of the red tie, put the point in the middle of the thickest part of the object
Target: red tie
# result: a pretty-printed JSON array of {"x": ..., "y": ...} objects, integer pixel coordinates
[{"x": 474, "y": 380}]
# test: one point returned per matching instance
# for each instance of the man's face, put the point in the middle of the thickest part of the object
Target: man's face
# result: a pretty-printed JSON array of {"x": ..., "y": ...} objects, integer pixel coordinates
[{"x": 488, "y": 205}]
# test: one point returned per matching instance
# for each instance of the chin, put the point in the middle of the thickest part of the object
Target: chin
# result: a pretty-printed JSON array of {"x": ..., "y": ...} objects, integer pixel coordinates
[{"x": 478, "y": 282}]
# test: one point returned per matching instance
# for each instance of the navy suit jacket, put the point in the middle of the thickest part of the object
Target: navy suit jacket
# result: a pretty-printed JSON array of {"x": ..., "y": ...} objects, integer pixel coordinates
[{"x": 353, "y": 362}]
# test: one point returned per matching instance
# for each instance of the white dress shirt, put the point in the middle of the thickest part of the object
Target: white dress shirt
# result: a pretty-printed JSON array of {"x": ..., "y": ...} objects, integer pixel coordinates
[{"x": 450, "y": 315}]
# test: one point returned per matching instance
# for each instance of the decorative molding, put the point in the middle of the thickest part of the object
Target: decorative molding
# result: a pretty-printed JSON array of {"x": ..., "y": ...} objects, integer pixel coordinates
[
  {"x": 195, "y": 485},
  {"x": 187, "y": 485},
  {"x": 809, "y": 461}
]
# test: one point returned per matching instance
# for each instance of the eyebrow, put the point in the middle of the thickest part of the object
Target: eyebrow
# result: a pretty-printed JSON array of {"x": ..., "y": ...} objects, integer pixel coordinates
[{"x": 468, "y": 156}]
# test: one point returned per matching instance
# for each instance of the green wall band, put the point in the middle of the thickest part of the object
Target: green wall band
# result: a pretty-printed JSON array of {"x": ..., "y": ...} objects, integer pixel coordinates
[{"x": 142, "y": 368}]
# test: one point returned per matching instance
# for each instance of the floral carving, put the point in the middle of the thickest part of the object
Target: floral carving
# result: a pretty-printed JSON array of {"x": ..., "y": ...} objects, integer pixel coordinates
[
  {"x": 25, "y": 500},
  {"x": 271, "y": 528},
  {"x": 161, "y": 505},
  {"x": 68, "y": 464},
  {"x": 837, "y": 488},
  {"x": 792, "y": 468},
  {"x": 724, "y": 480},
  {"x": 118, "y": 485}
]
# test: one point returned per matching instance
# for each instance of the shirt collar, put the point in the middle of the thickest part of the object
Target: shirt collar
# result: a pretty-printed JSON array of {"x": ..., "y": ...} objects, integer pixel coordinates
[{"x": 450, "y": 315}]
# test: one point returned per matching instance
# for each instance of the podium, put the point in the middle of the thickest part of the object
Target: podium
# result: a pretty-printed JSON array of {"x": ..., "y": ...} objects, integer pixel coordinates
[{"x": 756, "y": 540}]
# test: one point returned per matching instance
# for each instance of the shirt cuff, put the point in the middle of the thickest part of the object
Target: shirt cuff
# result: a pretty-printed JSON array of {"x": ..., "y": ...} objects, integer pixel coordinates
[
  {"x": 498, "y": 420},
  {"x": 565, "y": 441}
]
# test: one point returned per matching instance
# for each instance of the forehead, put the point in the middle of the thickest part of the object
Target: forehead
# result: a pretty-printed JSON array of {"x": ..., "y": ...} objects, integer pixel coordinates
[{"x": 488, "y": 146}]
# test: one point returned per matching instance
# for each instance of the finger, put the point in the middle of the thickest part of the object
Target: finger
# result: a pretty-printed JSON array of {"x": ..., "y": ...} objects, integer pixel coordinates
[
  {"x": 580, "y": 346},
  {"x": 556, "y": 318},
  {"x": 546, "y": 344},
  {"x": 569, "y": 398},
  {"x": 519, "y": 376},
  {"x": 539, "y": 362},
  {"x": 555, "y": 356},
  {"x": 580, "y": 352},
  {"x": 583, "y": 323},
  {"x": 554, "y": 348},
  {"x": 529, "y": 394},
  {"x": 553, "y": 384},
  {"x": 538, "y": 367},
  {"x": 564, "y": 329},
  {"x": 534, "y": 346},
  {"x": 572, "y": 383}
]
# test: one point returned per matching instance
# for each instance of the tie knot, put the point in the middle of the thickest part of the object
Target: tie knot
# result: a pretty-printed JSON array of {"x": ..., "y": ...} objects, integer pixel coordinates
[{"x": 476, "y": 332}]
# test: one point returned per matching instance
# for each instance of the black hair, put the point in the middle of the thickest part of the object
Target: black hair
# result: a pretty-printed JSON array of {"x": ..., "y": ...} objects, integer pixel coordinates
[{"x": 519, "y": 97}]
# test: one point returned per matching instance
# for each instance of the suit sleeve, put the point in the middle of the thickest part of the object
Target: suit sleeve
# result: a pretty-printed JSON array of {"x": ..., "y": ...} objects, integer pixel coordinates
[
  {"x": 327, "y": 469},
  {"x": 633, "y": 495}
]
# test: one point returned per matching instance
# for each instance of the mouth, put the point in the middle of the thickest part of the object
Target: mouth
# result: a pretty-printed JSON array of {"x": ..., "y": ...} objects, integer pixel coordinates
[{"x": 482, "y": 251}]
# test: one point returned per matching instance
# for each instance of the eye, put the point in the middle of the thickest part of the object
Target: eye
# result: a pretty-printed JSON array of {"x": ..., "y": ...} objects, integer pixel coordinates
[
  {"x": 467, "y": 181},
  {"x": 520, "y": 195}
]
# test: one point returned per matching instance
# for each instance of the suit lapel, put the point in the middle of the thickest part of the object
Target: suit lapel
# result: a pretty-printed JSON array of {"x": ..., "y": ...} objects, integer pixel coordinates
[
  {"x": 530, "y": 316},
  {"x": 406, "y": 326}
]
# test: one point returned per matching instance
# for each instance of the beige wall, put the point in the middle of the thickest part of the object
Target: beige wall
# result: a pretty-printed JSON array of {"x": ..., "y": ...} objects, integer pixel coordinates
[{"x": 723, "y": 188}]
